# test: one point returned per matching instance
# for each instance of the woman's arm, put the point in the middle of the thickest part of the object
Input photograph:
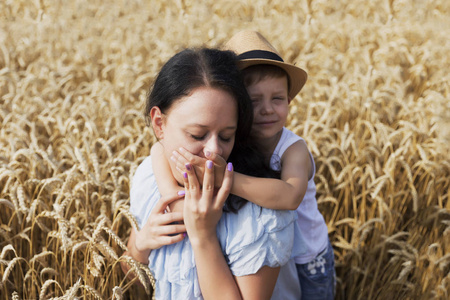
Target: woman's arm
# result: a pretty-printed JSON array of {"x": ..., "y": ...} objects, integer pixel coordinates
[
  {"x": 202, "y": 210},
  {"x": 217, "y": 282}
]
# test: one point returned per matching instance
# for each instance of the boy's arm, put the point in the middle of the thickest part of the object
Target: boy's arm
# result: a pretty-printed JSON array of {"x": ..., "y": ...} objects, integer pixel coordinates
[
  {"x": 167, "y": 184},
  {"x": 286, "y": 193}
]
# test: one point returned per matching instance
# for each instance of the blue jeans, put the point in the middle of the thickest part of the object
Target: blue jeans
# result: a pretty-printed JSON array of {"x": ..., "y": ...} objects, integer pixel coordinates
[{"x": 318, "y": 277}]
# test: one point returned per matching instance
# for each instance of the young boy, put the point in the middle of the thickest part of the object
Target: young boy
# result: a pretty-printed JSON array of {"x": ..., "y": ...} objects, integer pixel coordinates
[{"x": 272, "y": 84}]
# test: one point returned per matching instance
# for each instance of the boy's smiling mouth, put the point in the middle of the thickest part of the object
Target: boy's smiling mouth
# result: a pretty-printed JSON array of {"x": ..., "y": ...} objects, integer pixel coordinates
[{"x": 262, "y": 123}]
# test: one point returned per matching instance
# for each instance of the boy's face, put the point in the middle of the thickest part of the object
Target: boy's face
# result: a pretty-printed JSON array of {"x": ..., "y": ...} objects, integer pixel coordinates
[{"x": 270, "y": 106}]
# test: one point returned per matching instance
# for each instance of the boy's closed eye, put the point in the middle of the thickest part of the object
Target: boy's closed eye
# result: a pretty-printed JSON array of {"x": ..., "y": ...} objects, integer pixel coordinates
[
  {"x": 255, "y": 98},
  {"x": 279, "y": 96}
]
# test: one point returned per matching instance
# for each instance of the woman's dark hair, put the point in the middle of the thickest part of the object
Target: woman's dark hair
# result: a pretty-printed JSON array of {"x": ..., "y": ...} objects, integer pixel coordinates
[{"x": 194, "y": 68}]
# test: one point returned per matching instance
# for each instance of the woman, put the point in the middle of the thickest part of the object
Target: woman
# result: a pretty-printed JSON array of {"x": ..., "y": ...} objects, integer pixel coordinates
[{"x": 198, "y": 101}]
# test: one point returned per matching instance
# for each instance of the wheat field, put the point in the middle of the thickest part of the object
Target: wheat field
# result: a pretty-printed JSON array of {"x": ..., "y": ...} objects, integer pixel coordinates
[{"x": 375, "y": 113}]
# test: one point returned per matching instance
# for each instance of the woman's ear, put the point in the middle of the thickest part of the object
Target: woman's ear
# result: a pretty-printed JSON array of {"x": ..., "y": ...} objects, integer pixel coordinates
[{"x": 157, "y": 122}]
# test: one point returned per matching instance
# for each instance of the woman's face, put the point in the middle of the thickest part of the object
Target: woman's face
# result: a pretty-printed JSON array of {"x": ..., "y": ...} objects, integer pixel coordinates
[{"x": 206, "y": 120}]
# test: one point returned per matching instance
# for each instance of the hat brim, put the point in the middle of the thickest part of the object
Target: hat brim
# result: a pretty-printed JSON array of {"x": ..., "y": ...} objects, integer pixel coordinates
[{"x": 297, "y": 76}]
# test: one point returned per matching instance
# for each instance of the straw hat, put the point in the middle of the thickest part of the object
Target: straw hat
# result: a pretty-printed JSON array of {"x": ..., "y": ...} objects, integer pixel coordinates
[{"x": 253, "y": 49}]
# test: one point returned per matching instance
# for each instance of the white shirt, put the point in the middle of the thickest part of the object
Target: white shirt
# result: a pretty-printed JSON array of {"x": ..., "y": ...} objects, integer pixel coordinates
[{"x": 312, "y": 224}]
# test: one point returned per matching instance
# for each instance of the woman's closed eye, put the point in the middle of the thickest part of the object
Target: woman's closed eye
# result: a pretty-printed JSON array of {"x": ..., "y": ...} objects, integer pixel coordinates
[
  {"x": 202, "y": 137},
  {"x": 225, "y": 139},
  {"x": 198, "y": 137}
]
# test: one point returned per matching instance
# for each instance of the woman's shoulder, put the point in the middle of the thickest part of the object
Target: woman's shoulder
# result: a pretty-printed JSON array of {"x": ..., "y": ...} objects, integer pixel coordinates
[
  {"x": 143, "y": 171},
  {"x": 144, "y": 191}
]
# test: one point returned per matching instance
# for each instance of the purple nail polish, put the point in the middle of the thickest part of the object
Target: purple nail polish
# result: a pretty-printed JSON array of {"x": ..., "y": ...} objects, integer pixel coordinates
[
  {"x": 181, "y": 193},
  {"x": 209, "y": 164},
  {"x": 230, "y": 167},
  {"x": 207, "y": 154},
  {"x": 188, "y": 166},
  {"x": 184, "y": 174}
]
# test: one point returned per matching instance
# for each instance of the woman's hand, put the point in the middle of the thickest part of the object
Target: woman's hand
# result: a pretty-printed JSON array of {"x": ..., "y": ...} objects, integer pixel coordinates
[
  {"x": 203, "y": 206},
  {"x": 162, "y": 228},
  {"x": 183, "y": 157}
]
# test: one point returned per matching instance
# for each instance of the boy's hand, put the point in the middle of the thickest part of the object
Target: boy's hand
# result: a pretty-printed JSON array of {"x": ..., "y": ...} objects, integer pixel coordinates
[{"x": 182, "y": 157}]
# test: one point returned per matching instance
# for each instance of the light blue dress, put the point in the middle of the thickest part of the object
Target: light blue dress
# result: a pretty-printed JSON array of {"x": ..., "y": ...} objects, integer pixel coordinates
[{"x": 250, "y": 239}]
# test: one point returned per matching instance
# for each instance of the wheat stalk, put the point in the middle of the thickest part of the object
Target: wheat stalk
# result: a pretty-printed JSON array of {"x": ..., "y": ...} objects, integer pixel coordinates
[{"x": 374, "y": 114}]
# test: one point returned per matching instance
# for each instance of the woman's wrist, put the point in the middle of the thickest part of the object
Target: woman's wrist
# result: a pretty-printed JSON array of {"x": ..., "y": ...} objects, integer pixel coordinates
[
  {"x": 204, "y": 240},
  {"x": 139, "y": 251}
]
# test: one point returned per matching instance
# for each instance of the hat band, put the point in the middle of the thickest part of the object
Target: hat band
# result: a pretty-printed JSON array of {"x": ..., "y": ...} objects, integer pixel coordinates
[{"x": 261, "y": 54}]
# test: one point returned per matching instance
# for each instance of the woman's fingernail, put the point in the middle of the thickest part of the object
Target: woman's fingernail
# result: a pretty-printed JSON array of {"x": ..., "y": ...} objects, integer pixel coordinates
[
  {"x": 209, "y": 164},
  {"x": 181, "y": 193},
  {"x": 207, "y": 153},
  {"x": 184, "y": 174},
  {"x": 188, "y": 166},
  {"x": 184, "y": 234},
  {"x": 230, "y": 167}
]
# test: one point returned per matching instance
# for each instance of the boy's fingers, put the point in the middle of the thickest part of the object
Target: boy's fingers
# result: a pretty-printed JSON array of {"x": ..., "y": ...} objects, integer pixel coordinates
[
  {"x": 216, "y": 158},
  {"x": 179, "y": 160},
  {"x": 191, "y": 158},
  {"x": 225, "y": 189},
  {"x": 178, "y": 169}
]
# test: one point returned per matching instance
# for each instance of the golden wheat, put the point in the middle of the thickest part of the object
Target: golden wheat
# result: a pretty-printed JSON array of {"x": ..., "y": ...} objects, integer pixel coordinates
[{"x": 375, "y": 114}]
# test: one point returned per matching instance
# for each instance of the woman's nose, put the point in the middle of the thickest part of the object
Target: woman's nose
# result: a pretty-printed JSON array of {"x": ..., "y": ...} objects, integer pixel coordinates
[{"x": 213, "y": 146}]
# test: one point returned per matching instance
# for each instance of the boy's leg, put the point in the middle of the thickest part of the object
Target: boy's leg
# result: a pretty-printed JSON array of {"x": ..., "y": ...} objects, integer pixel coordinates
[{"x": 318, "y": 277}]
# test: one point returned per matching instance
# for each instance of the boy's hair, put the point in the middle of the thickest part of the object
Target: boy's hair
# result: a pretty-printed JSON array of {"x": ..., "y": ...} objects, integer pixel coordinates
[{"x": 256, "y": 73}]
